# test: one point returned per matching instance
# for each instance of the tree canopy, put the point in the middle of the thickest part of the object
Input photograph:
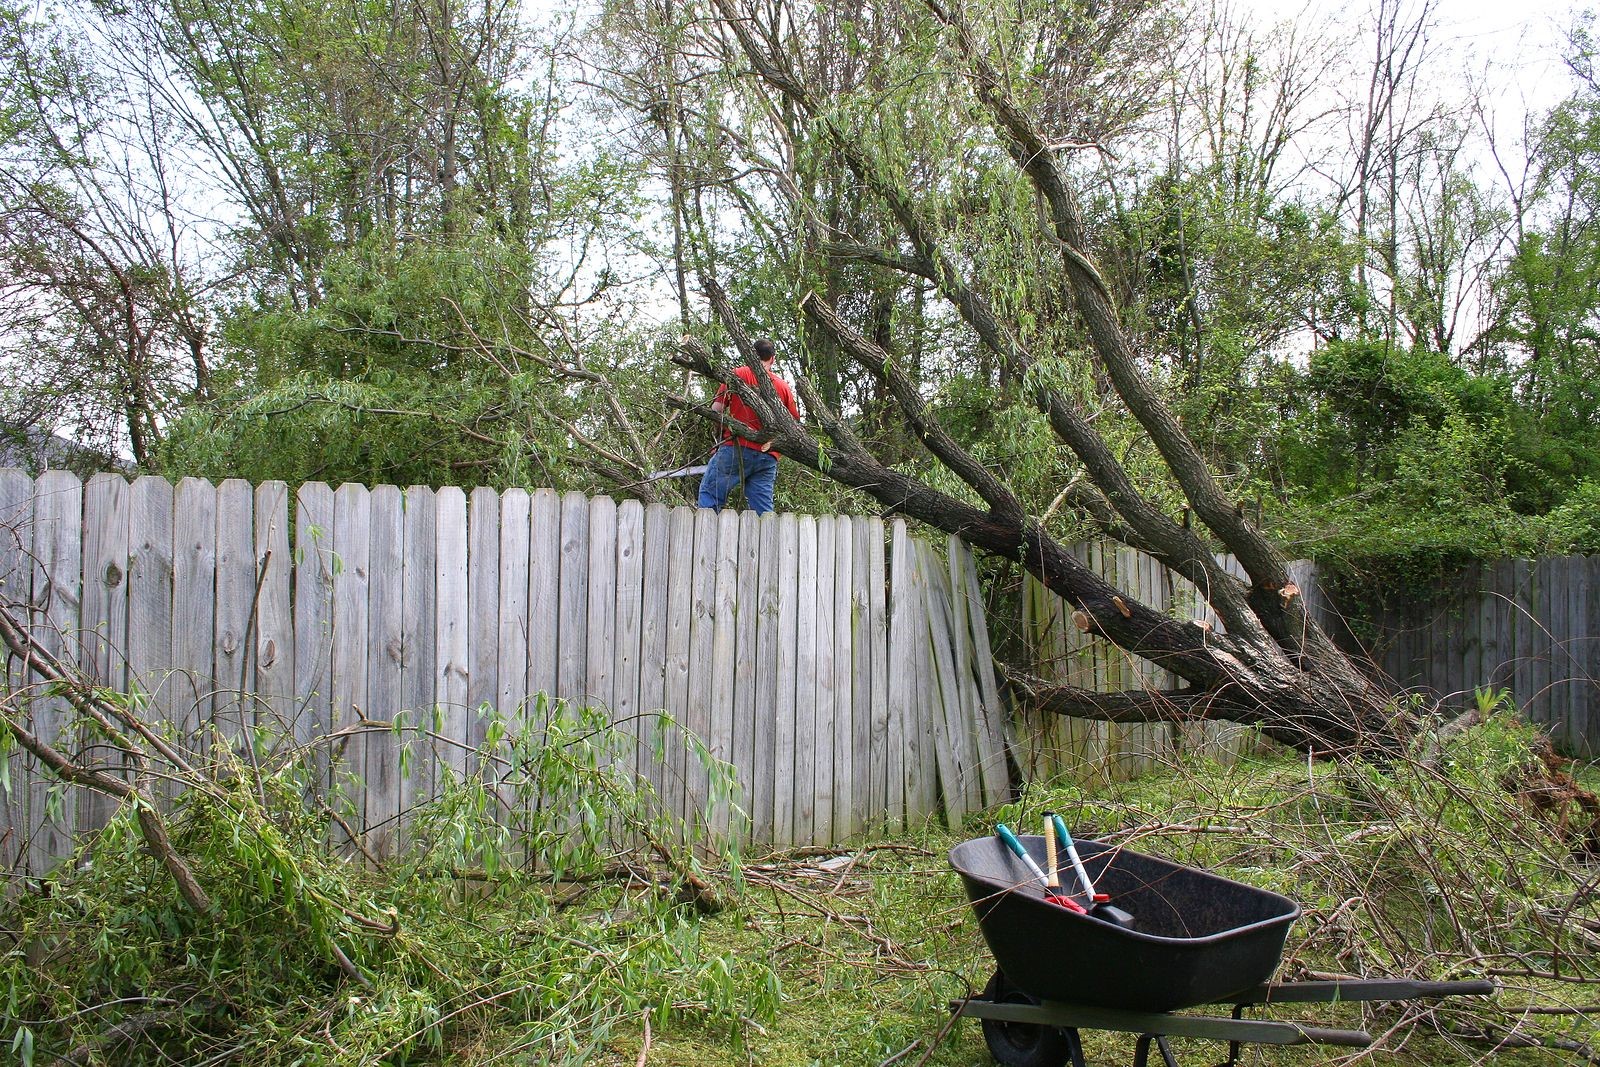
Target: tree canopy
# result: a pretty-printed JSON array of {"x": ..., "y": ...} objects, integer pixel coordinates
[{"x": 1042, "y": 270}]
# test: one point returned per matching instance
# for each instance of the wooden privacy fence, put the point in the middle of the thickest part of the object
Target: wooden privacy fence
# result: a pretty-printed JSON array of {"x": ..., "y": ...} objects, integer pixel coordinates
[
  {"x": 1528, "y": 626},
  {"x": 1050, "y": 745},
  {"x": 847, "y": 682}
]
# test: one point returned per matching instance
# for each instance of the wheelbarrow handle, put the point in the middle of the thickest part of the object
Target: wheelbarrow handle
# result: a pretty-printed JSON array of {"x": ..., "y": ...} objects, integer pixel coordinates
[{"x": 1361, "y": 989}]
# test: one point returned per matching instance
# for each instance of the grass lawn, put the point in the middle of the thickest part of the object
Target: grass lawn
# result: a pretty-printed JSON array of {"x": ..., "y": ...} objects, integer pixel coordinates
[
  {"x": 872, "y": 943},
  {"x": 1442, "y": 865}
]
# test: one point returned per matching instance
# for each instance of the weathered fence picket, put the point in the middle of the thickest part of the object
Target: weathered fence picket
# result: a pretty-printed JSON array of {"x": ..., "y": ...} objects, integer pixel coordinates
[
  {"x": 194, "y": 605},
  {"x": 314, "y": 565},
  {"x": 104, "y": 612},
  {"x": 56, "y": 604},
  {"x": 843, "y": 674},
  {"x": 16, "y": 550},
  {"x": 1530, "y": 627}
]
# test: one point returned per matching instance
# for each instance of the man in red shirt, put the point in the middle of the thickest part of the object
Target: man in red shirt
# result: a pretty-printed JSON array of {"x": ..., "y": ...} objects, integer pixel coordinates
[{"x": 743, "y": 460}]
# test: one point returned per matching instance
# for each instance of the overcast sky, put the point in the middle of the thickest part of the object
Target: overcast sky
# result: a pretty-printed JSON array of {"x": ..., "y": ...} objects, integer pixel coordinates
[{"x": 1521, "y": 39}]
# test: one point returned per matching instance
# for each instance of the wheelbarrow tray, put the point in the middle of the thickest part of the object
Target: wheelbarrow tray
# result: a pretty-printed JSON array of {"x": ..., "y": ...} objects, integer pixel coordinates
[{"x": 1198, "y": 938}]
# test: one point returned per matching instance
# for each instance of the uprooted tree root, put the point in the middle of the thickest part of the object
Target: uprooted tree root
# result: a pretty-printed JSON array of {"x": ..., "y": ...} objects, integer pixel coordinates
[{"x": 1545, "y": 785}]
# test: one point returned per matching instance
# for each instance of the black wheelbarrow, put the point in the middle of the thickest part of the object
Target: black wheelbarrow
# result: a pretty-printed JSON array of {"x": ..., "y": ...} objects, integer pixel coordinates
[{"x": 1197, "y": 939}]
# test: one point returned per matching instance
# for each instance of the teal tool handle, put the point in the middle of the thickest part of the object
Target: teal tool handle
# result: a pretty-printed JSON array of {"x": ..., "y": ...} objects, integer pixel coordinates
[
  {"x": 1061, "y": 831},
  {"x": 1003, "y": 832}
]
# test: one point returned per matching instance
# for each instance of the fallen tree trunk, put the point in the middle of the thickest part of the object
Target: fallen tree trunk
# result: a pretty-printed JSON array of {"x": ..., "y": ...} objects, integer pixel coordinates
[{"x": 1271, "y": 665}]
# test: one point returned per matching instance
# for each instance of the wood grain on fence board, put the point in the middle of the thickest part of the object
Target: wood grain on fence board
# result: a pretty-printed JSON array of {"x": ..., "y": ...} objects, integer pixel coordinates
[
  {"x": 805, "y": 682},
  {"x": 1031, "y": 600},
  {"x": 784, "y": 797},
  {"x": 104, "y": 611},
  {"x": 104, "y": 614},
  {"x": 543, "y": 573},
  {"x": 483, "y": 615},
  {"x": 234, "y": 654},
  {"x": 865, "y": 811},
  {"x": 654, "y": 622},
  {"x": 1445, "y": 636},
  {"x": 352, "y": 549},
  {"x": 747, "y": 610},
  {"x": 16, "y": 584},
  {"x": 452, "y": 656},
  {"x": 625, "y": 708},
  {"x": 1561, "y": 634},
  {"x": 385, "y": 692},
  {"x": 514, "y": 636},
  {"x": 949, "y": 727},
  {"x": 516, "y": 702},
  {"x": 887, "y": 755},
  {"x": 313, "y": 625},
  {"x": 824, "y": 705},
  {"x": 1488, "y": 642},
  {"x": 764, "y": 706},
  {"x": 418, "y": 642},
  {"x": 57, "y": 603},
  {"x": 1532, "y": 643},
  {"x": 1469, "y": 669},
  {"x": 1575, "y": 705},
  {"x": 928, "y": 721},
  {"x": 150, "y": 533},
  {"x": 274, "y": 622},
  {"x": 702, "y": 640},
  {"x": 1591, "y": 661},
  {"x": 724, "y": 649},
  {"x": 680, "y": 619},
  {"x": 1506, "y": 612},
  {"x": 845, "y": 753},
  {"x": 539, "y": 641},
  {"x": 953, "y": 581},
  {"x": 979, "y": 674},
  {"x": 572, "y": 647},
  {"x": 921, "y": 746},
  {"x": 902, "y": 679},
  {"x": 600, "y": 641},
  {"x": 1567, "y": 628},
  {"x": 194, "y": 602}
]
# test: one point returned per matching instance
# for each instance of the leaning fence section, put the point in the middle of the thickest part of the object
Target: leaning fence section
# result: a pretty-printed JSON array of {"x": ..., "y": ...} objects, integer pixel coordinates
[
  {"x": 841, "y": 669},
  {"x": 1051, "y": 745}
]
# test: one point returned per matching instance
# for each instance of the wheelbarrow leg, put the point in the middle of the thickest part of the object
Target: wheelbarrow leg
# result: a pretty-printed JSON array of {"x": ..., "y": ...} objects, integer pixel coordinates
[
  {"x": 1141, "y": 1051},
  {"x": 1234, "y": 1046}
]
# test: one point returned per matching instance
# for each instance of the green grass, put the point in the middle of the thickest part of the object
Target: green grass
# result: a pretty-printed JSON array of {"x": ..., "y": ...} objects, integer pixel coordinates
[
  {"x": 848, "y": 1000},
  {"x": 1429, "y": 869}
]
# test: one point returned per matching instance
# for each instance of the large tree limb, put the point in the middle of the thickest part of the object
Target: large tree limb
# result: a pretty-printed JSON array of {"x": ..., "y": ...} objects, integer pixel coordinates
[
  {"x": 1176, "y": 547},
  {"x": 1286, "y": 618},
  {"x": 151, "y": 825}
]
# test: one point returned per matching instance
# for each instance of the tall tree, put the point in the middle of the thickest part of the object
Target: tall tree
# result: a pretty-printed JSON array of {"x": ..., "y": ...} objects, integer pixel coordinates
[
  {"x": 1274, "y": 666},
  {"x": 105, "y": 328}
]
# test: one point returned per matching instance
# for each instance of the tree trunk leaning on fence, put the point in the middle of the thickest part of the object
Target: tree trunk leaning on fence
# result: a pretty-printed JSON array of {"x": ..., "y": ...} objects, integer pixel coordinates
[{"x": 1274, "y": 667}]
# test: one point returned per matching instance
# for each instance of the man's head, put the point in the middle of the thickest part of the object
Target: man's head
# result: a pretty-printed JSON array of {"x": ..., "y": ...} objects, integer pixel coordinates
[{"x": 766, "y": 350}]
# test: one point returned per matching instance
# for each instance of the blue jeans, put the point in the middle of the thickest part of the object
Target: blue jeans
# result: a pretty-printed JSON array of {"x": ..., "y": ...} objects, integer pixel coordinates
[{"x": 732, "y": 465}]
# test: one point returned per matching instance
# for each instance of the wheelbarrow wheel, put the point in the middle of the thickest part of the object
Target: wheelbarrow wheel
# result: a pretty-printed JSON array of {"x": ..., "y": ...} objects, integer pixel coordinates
[{"x": 1026, "y": 1044}]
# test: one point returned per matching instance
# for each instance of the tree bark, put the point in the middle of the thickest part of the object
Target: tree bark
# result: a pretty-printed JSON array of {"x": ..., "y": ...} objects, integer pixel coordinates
[{"x": 1271, "y": 666}]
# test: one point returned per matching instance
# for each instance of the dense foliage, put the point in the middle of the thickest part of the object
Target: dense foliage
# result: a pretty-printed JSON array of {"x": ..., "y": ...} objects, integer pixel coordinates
[
  {"x": 514, "y": 916},
  {"x": 467, "y": 953},
  {"x": 453, "y": 249}
]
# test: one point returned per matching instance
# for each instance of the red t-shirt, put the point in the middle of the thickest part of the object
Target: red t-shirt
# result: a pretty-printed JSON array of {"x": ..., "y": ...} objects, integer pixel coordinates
[{"x": 739, "y": 410}]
